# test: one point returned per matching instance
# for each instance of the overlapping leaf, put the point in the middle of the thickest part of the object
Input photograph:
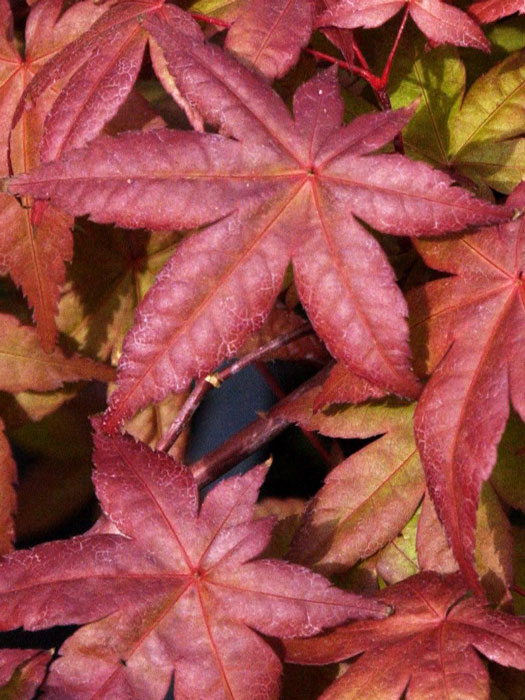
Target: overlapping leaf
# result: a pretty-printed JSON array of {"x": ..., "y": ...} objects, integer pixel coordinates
[
  {"x": 99, "y": 69},
  {"x": 343, "y": 386},
  {"x": 473, "y": 326},
  {"x": 97, "y": 311},
  {"x": 479, "y": 135},
  {"x": 279, "y": 189},
  {"x": 368, "y": 498},
  {"x": 22, "y": 672},
  {"x": 24, "y": 364},
  {"x": 438, "y": 20},
  {"x": 33, "y": 249},
  {"x": 427, "y": 649},
  {"x": 491, "y": 10},
  {"x": 270, "y": 35},
  {"x": 279, "y": 322},
  {"x": 181, "y": 589}
]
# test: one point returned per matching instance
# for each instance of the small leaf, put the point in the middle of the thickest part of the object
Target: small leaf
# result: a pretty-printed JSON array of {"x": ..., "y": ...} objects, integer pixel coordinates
[
  {"x": 440, "y": 22},
  {"x": 491, "y": 10}
]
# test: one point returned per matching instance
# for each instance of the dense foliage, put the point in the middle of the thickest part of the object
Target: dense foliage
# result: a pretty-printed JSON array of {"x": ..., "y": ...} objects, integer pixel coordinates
[{"x": 191, "y": 189}]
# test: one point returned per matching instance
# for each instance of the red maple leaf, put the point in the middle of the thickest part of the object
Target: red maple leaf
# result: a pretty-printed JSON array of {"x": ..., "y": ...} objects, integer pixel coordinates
[
  {"x": 33, "y": 252},
  {"x": 473, "y": 328},
  {"x": 427, "y": 649},
  {"x": 491, "y": 10},
  {"x": 270, "y": 35},
  {"x": 277, "y": 189},
  {"x": 440, "y": 22},
  {"x": 178, "y": 590},
  {"x": 97, "y": 71}
]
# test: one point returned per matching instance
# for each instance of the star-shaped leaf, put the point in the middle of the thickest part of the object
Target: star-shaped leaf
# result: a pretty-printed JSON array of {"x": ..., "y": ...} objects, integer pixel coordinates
[
  {"x": 178, "y": 590},
  {"x": 478, "y": 135},
  {"x": 473, "y": 328},
  {"x": 427, "y": 649},
  {"x": 277, "y": 189},
  {"x": 438, "y": 20}
]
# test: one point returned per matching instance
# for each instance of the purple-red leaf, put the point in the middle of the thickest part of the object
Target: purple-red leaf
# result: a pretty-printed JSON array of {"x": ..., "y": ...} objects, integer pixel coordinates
[
  {"x": 473, "y": 325},
  {"x": 33, "y": 248},
  {"x": 491, "y": 10},
  {"x": 428, "y": 648},
  {"x": 284, "y": 188},
  {"x": 439, "y": 21},
  {"x": 178, "y": 591},
  {"x": 269, "y": 36},
  {"x": 343, "y": 386}
]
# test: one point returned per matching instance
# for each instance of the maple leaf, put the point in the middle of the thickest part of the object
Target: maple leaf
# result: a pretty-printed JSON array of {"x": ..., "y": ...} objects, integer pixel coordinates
[
  {"x": 477, "y": 134},
  {"x": 7, "y": 493},
  {"x": 279, "y": 322},
  {"x": 22, "y": 672},
  {"x": 269, "y": 36},
  {"x": 277, "y": 189},
  {"x": 99, "y": 69},
  {"x": 343, "y": 386},
  {"x": 32, "y": 252},
  {"x": 366, "y": 499},
  {"x": 491, "y": 10},
  {"x": 426, "y": 649},
  {"x": 227, "y": 10},
  {"x": 473, "y": 327},
  {"x": 25, "y": 365},
  {"x": 97, "y": 311},
  {"x": 422, "y": 546},
  {"x": 180, "y": 589},
  {"x": 440, "y": 22}
]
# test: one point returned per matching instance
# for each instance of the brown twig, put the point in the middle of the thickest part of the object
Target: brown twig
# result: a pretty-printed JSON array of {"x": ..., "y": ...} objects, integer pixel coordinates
[
  {"x": 250, "y": 438},
  {"x": 280, "y": 394},
  {"x": 202, "y": 386}
]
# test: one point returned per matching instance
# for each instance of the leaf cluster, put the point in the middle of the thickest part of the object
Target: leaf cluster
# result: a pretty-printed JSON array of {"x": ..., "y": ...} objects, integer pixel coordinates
[{"x": 190, "y": 189}]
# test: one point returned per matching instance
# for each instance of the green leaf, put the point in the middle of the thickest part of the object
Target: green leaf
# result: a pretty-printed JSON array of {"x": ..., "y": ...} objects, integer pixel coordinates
[
  {"x": 437, "y": 78},
  {"x": 479, "y": 138},
  {"x": 97, "y": 311},
  {"x": 398, "y": 560},
  {"x": 224, "y": 9}
]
